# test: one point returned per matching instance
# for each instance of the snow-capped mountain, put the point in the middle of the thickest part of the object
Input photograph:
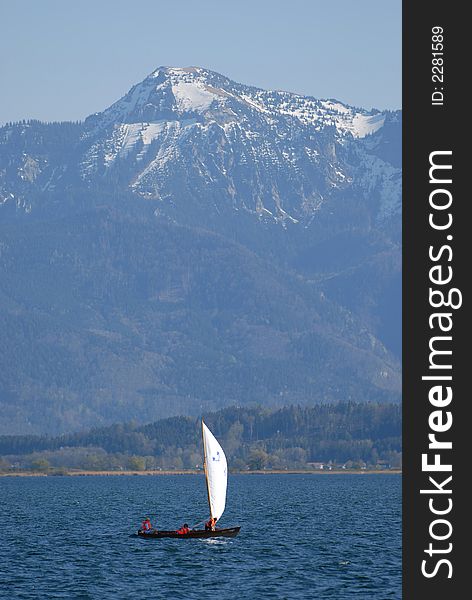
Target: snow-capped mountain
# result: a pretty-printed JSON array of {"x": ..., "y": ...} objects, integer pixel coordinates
[
  {"x": 189, "y": 137},
  {"x": 198, "y": 244},
  {"x": 171, "y": 93}
]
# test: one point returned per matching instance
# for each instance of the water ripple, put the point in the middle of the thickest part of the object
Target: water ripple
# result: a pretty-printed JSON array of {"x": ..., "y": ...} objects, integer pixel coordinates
[{"x": 302, "y": 537}]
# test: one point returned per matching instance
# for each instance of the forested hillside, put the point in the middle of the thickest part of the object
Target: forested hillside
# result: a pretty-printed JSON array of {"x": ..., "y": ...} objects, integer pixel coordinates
[{"x": 257, "y": 438}]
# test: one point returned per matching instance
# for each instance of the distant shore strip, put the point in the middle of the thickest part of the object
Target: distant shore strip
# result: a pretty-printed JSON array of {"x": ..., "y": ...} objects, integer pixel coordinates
[{"x": 79, "y": 473}]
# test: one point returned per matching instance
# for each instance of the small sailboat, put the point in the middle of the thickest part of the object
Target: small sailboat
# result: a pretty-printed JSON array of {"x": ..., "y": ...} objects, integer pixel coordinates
[{"x": 216, "y": 476}]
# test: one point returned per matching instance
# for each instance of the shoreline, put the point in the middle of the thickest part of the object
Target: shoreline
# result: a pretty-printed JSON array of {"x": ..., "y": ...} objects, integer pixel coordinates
[{"x": 83, "y": 473}]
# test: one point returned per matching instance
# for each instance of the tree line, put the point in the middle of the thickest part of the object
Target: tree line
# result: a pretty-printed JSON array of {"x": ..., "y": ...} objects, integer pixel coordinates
[{"x": 342, "y": 434}]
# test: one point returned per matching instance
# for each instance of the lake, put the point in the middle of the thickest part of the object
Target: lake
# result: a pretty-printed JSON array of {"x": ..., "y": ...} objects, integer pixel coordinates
[{"x": 302, "y": 536}]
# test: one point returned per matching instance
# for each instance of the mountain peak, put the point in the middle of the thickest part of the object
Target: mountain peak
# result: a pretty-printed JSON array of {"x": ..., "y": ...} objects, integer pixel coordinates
[
  {"x": 168, "y": 93},
  {"x": 173, "y": 93},
  {"x": 177, "y": 71},
  {"x": 189, "y": 132}
]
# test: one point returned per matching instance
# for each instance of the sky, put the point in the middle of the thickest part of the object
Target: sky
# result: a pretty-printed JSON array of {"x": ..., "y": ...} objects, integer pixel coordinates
[{"x": 63, "y": 59}]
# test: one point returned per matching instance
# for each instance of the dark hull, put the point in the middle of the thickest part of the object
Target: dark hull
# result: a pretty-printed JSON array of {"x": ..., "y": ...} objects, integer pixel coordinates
[{"x": 194, "y": 533}]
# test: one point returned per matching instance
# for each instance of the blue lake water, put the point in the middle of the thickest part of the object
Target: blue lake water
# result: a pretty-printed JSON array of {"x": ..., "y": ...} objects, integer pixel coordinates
[{"x": 302, "y": 536}]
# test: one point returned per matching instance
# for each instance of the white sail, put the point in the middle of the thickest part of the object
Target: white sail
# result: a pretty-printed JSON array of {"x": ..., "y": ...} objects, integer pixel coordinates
[{"x": 216, "y": 471}]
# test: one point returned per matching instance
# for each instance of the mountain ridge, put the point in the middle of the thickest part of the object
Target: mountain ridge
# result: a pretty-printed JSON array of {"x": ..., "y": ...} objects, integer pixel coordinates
[
  {"x": 235, "y": 247},
  {"x": 287, "y": 153}
]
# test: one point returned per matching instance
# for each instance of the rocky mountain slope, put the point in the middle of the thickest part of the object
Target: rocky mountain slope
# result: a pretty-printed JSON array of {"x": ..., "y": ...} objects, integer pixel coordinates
[{"x": 199, "y": 243}]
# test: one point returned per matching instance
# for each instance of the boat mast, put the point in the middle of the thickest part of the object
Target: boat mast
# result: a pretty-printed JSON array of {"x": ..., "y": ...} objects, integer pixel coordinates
[{"x": 206, "y": 471}]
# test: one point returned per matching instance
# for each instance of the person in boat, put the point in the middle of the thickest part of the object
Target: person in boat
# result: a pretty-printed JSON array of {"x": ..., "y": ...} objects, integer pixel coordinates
[
  {"x": 146, "y": 524},
  {"x": 184, "y": 529},
  {"x": 210, "y": 525}
]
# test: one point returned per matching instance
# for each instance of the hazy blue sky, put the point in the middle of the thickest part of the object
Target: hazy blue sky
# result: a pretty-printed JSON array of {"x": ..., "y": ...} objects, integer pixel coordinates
[{"x": 64, "y": 59}]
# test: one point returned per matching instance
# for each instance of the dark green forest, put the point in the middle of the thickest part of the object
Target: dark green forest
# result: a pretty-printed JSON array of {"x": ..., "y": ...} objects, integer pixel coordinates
[{"x": 346, "y": 435}]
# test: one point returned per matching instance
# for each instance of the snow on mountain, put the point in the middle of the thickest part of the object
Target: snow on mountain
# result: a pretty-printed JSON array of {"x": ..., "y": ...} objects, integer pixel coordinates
[
  {"x": 271, "y": 275},
  {"x": 196, "y": 90},
  {"x": 190, "y": 135},
  {"x": 192, "y": 97}
]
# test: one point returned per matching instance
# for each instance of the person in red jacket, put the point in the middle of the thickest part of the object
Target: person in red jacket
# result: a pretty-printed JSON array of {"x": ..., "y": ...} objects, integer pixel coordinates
[
  {"x": 146, "y": 524},
  {"x": 183, "y": 530},
  {"x": 211, "y": 524}
]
